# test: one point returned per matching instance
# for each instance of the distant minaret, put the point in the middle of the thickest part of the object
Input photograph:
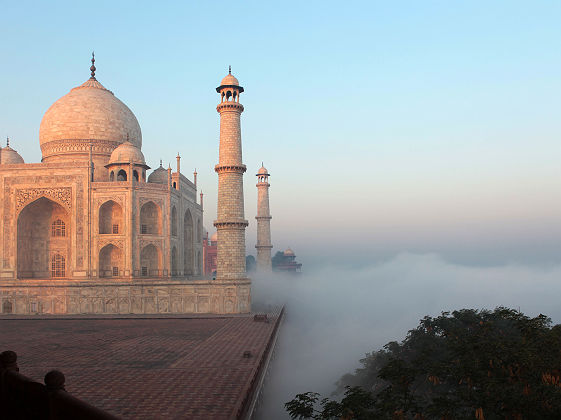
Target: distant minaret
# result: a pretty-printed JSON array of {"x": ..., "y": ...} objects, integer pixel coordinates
[
  {"x": 230, "y": 224},
  {"x": 263, "y": 221}
]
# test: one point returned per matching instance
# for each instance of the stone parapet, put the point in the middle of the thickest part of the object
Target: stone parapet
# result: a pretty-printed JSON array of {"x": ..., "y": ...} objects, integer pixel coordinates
[{"x": 125, "y": 297}]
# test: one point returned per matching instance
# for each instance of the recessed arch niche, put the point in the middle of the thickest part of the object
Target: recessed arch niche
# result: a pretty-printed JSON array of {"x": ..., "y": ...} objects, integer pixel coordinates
[{"x": 40, "y": 237}]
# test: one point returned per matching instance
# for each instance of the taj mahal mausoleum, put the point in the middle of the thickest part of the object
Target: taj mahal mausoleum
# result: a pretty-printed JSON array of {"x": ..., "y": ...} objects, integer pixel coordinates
[{"x": 89, "y": 230}]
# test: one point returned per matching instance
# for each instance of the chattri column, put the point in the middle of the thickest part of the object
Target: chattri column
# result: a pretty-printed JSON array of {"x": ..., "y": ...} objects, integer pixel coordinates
[
  {"x": 230, "y": 223},
  {"x": 263, "y": 221}
]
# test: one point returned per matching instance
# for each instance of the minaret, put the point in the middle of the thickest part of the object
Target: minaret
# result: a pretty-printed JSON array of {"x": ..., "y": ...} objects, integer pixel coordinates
[
  {"x": 263, "y": 221},
  {"x": 230, "y": 223}
]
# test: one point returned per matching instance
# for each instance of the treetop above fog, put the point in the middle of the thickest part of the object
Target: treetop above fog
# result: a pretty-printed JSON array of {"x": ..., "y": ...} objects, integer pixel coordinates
[{"x": 465, "y": 364}]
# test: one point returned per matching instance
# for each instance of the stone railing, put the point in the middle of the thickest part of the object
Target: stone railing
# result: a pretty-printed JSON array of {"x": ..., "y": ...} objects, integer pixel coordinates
[
  {"x": 247, "y": 407},
  {"x": 23, "y": 398}
]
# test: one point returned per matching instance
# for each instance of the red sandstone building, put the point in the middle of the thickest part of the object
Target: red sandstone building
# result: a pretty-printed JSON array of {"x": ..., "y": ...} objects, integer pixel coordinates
[
  {"x": 210, "y": 249},
  {"x": 286, "y": 262}
]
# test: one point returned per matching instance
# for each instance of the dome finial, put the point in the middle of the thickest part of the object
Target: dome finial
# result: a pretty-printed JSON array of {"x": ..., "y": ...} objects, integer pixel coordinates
[
  {"x": 7, "y": 141},
  {"x": 160, "y": 163},
  {"x": 229, "y": 69},
  {"x": 92, "y": 68}
]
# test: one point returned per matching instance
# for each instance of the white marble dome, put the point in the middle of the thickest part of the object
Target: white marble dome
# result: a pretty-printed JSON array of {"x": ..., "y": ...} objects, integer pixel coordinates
[{"x": 88, "y": 115}]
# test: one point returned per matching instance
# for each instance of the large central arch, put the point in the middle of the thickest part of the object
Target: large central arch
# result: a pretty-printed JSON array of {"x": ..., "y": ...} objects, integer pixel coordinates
[{"x": 43, "y": 240}]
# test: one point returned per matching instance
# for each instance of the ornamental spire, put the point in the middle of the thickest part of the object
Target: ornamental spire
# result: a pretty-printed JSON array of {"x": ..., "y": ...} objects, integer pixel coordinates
[
  {"x": 229, "y": 69},
  {"x": 7, "y": 141},
  {"x": 92, "y": 68}
]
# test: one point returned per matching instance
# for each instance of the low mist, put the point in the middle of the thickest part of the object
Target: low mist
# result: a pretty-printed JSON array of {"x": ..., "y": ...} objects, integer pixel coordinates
[{"x": 334, "y": 315}]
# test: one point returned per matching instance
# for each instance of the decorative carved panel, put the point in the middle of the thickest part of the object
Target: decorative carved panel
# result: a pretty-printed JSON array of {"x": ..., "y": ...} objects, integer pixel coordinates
[
  {"x": 117, "y": 242},
  {"x": 158, "y": 243},
  {"x": 62, "y": 195}
]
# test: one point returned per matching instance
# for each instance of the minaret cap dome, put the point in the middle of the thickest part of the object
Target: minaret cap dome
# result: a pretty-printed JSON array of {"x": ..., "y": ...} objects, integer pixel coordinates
[
  {"x": 88, "y": 113},
  {"x": 262, "y": 171},
  {"x": 229, "y": 80}
]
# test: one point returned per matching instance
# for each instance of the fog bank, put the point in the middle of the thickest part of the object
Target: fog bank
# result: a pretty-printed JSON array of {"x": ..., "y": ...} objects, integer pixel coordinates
[{"x": 334, "y": 315}]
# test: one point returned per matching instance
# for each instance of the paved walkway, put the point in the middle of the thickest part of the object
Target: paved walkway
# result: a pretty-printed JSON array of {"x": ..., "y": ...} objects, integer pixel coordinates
[{"x": 146, "y": 368}]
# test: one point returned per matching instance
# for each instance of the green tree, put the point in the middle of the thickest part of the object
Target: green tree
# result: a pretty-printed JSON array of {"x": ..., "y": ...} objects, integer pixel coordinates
[
  {"x": 277, "y": 259},
  {"x": 467, "y": 364}
]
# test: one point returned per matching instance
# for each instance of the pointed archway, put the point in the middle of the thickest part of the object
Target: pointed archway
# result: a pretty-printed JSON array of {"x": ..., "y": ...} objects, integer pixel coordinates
[
  {"x": 150, "y": 261},
  {"x": 110, "y": 218},
  {"x": 110, "y": 261}
]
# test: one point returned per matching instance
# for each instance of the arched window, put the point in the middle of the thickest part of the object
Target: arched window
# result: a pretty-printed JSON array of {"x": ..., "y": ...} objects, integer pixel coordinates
[
  {"x": 112, "y": 176},
  {"x": 7, "y": 307},
  {"x": 188, "y": 254},
  {"x": 58, "y": 266},
  {"x": 122, "y": 175},
  {"x": 173, "y": 221},
  {"x": 151, "y": 261},
  {"x": 150, "y": 219},
  {"x": 110, "y": 218},
  {"x": 58, "y": 229},
  {"x": 135, "y": 174},
  {"x": 174, "y": 262}
]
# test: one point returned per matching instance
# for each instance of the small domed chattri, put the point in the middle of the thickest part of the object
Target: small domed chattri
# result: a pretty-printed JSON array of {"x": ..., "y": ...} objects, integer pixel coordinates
[
  {"x": 9, "y": 156},
  {"x": 159, "y": 175},
  {"x": 127, "y": 152}
]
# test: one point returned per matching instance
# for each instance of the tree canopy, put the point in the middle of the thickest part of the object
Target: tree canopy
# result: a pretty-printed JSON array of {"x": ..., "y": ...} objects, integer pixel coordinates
[
  {"x": 467, "y": 364},
  {"x": 277, "y": 259}
]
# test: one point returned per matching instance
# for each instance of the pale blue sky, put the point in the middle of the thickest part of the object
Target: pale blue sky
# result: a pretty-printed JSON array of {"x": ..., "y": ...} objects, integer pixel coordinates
[{"x": 387, "y": 126}]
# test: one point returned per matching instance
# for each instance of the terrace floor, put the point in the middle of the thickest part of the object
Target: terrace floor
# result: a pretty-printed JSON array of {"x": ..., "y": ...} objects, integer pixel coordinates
[{"x": 148, "y": 367}]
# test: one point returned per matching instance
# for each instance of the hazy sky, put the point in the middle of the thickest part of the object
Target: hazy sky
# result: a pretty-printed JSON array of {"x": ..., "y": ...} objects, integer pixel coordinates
[{"x": 387, "y": 126}]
